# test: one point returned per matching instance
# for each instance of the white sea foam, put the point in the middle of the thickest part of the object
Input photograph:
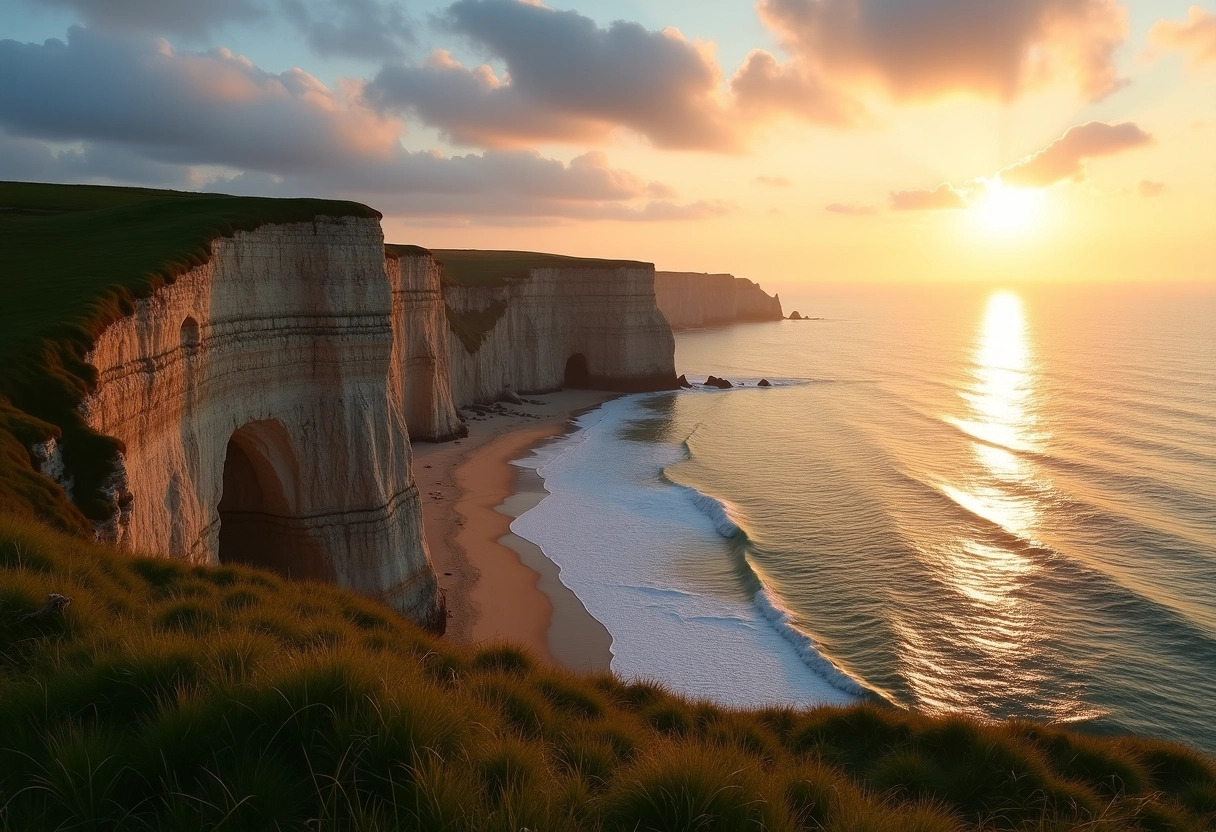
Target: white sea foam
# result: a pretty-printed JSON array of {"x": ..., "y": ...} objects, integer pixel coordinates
[
  {"x": 721, "y": 513},
  {"x": 625, "y": 537},
  {"x": 718, "y": 511}
]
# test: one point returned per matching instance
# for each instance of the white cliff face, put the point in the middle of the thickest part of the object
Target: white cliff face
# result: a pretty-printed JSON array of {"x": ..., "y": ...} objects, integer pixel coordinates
[
  {"x": 420, "y": 345},
  {"x": 530, "y": 329},
  {"x": 262, "y": 406},
  {"x": 691, "y": 299}
]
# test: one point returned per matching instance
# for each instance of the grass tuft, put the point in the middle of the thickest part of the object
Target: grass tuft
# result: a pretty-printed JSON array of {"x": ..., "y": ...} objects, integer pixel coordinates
[{"x": 171, "y": 697}]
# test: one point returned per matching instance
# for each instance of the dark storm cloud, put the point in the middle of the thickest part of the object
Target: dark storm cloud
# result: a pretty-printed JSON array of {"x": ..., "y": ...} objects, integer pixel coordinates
[
  {"x": 567, "y": 78},
  {"x": 1065, "y": 157},
  {"x": 928, "y": 48}
]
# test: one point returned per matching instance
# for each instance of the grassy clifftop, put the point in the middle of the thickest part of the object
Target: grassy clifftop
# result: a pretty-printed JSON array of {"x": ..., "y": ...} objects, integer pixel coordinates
[
  {"x": 468, "y": 267},
  {"x": 170, "y": 697},
  {"x": 73, "y": 259}
]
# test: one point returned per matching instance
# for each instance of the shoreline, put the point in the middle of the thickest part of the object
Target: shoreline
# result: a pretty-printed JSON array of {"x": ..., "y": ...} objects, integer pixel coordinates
[{"x": 499, "y": 586}]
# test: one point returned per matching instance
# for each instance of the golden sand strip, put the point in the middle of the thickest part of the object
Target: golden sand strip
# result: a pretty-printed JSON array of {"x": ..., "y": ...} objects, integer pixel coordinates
[{"x": 499, "y": 586}]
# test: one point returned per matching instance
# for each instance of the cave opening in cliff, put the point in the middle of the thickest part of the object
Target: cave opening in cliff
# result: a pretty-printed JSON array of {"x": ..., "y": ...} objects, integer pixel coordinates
[
  {"x": 577, "y": 375},
  {"x": 260, "y": 523}
]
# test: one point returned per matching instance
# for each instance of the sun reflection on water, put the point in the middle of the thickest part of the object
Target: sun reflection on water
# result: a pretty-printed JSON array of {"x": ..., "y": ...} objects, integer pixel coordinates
[{"x": 986, "y": 646}]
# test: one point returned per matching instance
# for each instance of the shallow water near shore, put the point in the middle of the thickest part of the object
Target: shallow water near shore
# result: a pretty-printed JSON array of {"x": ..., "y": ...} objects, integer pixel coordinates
[{"x": 995, "y": 502}]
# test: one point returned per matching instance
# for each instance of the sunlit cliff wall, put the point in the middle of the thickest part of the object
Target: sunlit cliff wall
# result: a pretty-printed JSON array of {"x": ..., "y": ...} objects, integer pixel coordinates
[{"x": 295, "y": 357}]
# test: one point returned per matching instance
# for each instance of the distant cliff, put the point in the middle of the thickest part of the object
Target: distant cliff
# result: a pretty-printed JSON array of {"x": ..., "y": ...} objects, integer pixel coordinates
[
  {"x": 536, "y": 322},
  {"x": 690, "y": 299}
]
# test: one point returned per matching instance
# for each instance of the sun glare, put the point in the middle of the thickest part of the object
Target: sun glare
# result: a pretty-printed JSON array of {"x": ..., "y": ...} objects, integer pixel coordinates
[{"x": 1006, "y": 210}]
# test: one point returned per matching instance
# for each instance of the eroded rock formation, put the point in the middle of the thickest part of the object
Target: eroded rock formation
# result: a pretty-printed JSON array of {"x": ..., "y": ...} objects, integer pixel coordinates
[
  {"x": 691, "y": 299},
  {"x": 584, "y": 325},
  {"x": 262, "y": 401},
  {"x": 420, "y": 346}
]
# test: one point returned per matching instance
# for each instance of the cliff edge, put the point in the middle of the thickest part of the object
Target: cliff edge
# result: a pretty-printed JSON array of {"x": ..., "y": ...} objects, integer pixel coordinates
[
  {"x": 692, "y": 299},
  {"x": 238, "y": 392}
]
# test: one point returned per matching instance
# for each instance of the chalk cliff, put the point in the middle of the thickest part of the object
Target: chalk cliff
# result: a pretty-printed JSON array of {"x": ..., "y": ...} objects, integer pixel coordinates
[
  {"x": 420, "y": 344},
  {"x": 263, "y": 400},
  {"x": 565, "y": 322},
  {"x": 690, "y": 299}
]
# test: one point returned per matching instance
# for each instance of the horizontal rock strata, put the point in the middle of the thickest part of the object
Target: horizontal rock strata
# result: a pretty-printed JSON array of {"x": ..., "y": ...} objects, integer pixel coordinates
[
  {"x": 578, "y": 325},
  {"x": 262, "y": 402}
]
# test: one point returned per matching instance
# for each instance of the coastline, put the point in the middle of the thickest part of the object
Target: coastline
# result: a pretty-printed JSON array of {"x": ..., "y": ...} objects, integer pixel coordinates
[{"x": 499, "y": 586}]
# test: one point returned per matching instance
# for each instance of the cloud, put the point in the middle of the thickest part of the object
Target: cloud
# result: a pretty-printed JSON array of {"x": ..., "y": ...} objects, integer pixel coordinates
[
  {"x": 1148, "y": 189},
  {"x": 932, "y": 48},
  {"x": 368, "y": 29},
  {"x": 184, "y": 107},
  {"x": 944, "y": 197},
  {"x": 1065, "y": 157},
  {"x": 129, "y": 109},
  {"x": 31, "y": 160},
  {"x": 763, "y": 88},
  {"x": 188, "y": 18},
  {"x": 567, "y": 79},
  {"x": 853, "y": 210},
  {"x": 1195, "y": 36}
]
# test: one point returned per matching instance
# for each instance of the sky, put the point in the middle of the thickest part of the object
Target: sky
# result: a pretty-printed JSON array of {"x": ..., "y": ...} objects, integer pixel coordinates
[{"x": 788, "y": 141}]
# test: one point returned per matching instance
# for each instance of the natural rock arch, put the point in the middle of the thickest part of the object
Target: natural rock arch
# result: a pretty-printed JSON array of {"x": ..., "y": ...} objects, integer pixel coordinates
[
  {"x": 577, "y": 375},
  {"x": 260, "y": 521}
]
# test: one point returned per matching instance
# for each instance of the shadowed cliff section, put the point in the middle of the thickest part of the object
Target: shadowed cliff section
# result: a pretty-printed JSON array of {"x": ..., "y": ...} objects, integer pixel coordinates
[
  {"x": 693, "y": 299},
  {"x": 76, "y": 258},
  {"x": 520, "y": 317}
]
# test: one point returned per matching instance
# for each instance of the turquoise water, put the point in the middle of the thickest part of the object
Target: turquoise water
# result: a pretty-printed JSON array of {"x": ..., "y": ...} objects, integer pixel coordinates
[{"x": 995, "y": 502}]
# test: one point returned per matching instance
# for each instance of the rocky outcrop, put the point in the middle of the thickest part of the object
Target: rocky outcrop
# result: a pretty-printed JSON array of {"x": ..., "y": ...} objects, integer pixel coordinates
[
  {"x": 583, "y": 323},
  {"x": 690, "y": 299},
  {"x": 263, "y": 399},
  {"x": 420, "y": 344}
]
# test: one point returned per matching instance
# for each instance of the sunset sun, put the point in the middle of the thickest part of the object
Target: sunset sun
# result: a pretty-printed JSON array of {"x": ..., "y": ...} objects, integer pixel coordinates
[{"x": 1006, "y": 210}]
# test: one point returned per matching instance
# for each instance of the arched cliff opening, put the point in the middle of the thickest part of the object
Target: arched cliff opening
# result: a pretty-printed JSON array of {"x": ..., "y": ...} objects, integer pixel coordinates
[
  {"x": 577, "y": 374},
  {"x": 260, "y": 522},
  {"x": 189, "y": 336}
]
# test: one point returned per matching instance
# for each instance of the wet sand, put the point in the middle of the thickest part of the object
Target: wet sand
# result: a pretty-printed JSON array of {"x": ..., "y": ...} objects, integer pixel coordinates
[{"x": 500, "y": 587}]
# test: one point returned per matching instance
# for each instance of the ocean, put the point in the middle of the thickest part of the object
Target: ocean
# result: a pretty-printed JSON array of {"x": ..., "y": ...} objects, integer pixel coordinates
[{"x": 1000, "y": 502}]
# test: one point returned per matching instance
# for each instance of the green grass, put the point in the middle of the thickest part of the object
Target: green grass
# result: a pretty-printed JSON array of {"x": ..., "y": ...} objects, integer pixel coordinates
[
  {"x": 176, "y": 697},
  {"x": 74, "y": 259},
  {"x": 467, "y": 267}
]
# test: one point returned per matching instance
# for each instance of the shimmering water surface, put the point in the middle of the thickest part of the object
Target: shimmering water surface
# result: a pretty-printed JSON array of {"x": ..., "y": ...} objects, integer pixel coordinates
[{"x": 1001, "y": 502}]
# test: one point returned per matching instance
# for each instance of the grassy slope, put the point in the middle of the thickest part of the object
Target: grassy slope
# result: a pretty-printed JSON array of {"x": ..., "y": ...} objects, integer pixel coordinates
[
  {"x": 169, "y": 697},
  {"x": 74, "y": 258}
]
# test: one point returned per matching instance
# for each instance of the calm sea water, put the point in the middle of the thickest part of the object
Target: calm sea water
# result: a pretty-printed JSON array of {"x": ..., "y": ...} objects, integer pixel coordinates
[{"x": 989, "y": 501}]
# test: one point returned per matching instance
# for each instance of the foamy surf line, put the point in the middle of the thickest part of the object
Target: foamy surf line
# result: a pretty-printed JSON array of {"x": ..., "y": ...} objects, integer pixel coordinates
[
  {"x": 625, "y": 537},
  {"x": 722, "y": 516}
]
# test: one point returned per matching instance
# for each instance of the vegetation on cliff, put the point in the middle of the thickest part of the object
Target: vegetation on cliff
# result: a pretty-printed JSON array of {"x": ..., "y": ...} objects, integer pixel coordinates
[
  {"x": 75, "y": 258},
  {"x": 175, "y": 697},
  {"x": 474, "y": 268}
]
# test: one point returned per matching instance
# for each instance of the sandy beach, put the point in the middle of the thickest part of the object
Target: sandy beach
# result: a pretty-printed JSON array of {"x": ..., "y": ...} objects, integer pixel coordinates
[{"x": 500, "y": 587}]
